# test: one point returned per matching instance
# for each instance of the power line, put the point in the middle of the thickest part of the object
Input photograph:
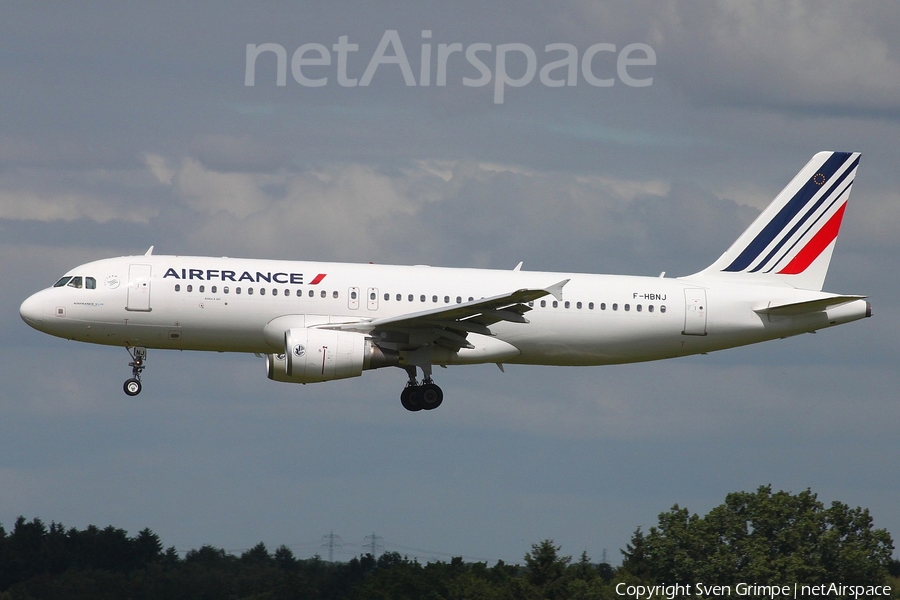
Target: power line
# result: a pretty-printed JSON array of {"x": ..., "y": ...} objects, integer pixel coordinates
[
  {"x": 436, "y": 553},
  {"x": 373, "y": 544}
]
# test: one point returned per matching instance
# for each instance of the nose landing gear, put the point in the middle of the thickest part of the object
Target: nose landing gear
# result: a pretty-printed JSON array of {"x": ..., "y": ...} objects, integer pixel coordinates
[{"x": 132, "y": 386}]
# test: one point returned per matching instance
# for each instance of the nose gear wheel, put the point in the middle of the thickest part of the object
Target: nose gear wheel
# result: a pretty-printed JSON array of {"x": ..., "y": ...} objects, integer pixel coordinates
[{"x": 132, "y": 387}]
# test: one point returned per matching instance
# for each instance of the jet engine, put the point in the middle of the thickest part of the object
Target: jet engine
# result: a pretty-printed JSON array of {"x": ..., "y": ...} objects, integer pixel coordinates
[{"x": 313, "y": 355}]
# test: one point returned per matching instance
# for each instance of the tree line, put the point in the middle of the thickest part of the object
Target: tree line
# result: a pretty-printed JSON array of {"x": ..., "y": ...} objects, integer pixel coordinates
[{"x": 753, "y": 537}]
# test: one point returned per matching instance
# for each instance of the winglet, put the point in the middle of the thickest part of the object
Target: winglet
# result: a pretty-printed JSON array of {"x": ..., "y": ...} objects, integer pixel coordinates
[
  {"x": 555, "y": 290},
  {"x": 518, "y": 267},
  {"x": 149, "y": 251}
]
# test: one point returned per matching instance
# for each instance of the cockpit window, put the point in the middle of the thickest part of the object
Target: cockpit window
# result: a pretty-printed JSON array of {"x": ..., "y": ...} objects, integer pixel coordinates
[{"x": 88, "y": 283}]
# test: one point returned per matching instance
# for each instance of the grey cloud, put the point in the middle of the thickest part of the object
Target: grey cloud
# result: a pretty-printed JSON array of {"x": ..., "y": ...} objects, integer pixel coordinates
[{"x": 804, "y": 57}]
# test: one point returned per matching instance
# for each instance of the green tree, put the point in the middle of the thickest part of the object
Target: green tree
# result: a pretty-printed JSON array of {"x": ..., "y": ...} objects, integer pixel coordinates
[
  {"x": 258, "y": 555},
  {"x": 763, "y": 537},
  {"x": 546, "y": 569}
]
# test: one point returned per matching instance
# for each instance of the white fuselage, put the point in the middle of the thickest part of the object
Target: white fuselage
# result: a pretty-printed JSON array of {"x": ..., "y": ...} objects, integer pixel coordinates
[{"x": 225, "y": 304}]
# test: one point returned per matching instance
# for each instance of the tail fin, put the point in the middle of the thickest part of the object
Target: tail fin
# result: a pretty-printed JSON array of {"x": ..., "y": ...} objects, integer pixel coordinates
[{"x": 791, "y": 242}]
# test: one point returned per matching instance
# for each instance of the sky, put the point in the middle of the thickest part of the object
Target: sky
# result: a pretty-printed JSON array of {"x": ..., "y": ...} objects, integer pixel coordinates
[{"x": 126, "y": 125}]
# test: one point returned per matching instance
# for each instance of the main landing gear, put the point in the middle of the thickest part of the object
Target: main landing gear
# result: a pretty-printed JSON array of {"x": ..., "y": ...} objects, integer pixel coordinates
[
  {"x": 427, "y": 396},
  {"x": 132, "y": 386}
]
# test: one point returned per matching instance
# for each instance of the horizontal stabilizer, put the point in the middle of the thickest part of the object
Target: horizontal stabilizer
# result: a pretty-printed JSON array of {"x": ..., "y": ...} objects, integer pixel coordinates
[{"x": 808, "y": 306}]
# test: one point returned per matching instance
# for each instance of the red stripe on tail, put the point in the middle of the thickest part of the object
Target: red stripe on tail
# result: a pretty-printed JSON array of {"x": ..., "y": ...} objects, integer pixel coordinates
[{"x": 816, "y": 245}]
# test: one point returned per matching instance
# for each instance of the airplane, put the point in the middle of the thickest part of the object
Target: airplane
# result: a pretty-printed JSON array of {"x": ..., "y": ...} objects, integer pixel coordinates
[{"x": 322, "y": 321}]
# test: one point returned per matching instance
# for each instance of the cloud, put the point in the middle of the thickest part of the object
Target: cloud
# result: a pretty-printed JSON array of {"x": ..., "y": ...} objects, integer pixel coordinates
[
  {"x": 800, "y": 56},
  {"x": 463, "y": 212}
]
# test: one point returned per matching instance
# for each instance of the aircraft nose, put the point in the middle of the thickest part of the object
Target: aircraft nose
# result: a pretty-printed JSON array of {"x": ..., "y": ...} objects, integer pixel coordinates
[{"x": 32, "y": 312}]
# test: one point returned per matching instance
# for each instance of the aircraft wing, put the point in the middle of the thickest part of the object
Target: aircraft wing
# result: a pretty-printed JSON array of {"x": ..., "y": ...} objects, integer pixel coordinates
[{"x": 448, "y": 326}]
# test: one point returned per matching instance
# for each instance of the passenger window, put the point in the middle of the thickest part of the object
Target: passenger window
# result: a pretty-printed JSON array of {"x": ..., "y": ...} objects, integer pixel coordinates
[
  {"x": 627, "y": 307},
  {"x": 287, "y": 292},
  {"x": 639, "y": 308},
  {"x": 422, "y": 298},
  {"x": 62, "y": 282},
  {"x": 299, "y": 293},
  {"x": 262, "y": 291},
  {"x": 387, "y": 296},
  {"x": 615, "y": 306},
  {"x": 434, "y": 298},
  {"x": 543, "y": 304},
  {"x": 446, "y": 299},
  {"x": 590, "y": 306},
  {"x": 650, "y": 308},
  {"x": 399, "y": 297},
  {"x": 459, "y": 300},
  {"x": 249, "y": 291},
  {"x": 555, "y": 304},
  {"x": 323, "y": 294},
  {"x": 190, "y": 288},
  {"x": 213, "y": 289},
  {"x": 578, "y": 305},
  {"x": 662, "y": 308},
  {"x": 410, "y": 297},
  {"x": 311, "y": 294},
  {"x": 90, "y": 283},
  {"x": 335, "y": 295},
  {"x": 237, "y": 290},
  {"x": 372, "y": 296},
  {"x": 202, "y": 289},
  {"x": 353, "y": 295},
  {"x": 471, "y": 298},
  {"x": 566, "y": 304},
  {"x": 177, "y": 287},
  {"x": 225, "y": 289},
  {"x": 76, "y": 282}
]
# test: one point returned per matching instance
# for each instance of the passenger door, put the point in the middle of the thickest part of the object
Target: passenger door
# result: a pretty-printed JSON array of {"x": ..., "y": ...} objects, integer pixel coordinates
[
  {"x": 694, "y": 311},
  {"x": 138, "y": 288}
]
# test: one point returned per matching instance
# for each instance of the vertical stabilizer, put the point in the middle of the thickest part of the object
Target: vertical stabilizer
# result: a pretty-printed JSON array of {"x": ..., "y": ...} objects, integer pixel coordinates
[{"x": 791, "y": 242}]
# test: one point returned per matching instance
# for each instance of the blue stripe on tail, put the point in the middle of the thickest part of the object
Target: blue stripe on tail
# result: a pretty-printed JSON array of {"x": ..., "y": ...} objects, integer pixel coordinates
[
  {"x": 809, "y": 213},
  {"x": 788, "y": 212}
]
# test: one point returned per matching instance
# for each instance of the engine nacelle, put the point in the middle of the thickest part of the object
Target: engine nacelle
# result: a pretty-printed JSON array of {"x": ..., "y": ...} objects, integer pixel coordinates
[{"x": 313, "y": 355}]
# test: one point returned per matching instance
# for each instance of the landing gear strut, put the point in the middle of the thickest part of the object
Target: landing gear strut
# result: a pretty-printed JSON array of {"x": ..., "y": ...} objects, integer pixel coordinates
[
  {"x": 415, "y": 397},
  {"x": 132, "y": 386}
]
